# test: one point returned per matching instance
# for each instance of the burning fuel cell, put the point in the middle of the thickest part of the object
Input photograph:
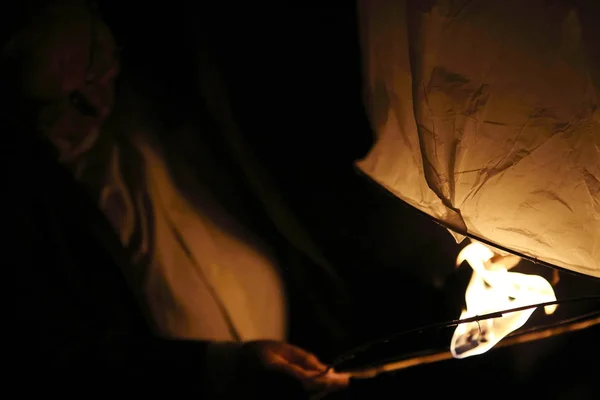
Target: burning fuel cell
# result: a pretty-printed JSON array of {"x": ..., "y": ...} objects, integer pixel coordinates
[{"x": 494, "y": 288}]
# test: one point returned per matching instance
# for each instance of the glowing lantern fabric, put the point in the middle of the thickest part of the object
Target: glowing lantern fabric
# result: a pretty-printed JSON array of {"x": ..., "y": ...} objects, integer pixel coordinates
[{"x": 487, "y": 118}]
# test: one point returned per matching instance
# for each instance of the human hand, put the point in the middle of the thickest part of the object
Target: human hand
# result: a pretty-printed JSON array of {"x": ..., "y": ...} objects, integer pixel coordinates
[{"x": 283, "y": 370}]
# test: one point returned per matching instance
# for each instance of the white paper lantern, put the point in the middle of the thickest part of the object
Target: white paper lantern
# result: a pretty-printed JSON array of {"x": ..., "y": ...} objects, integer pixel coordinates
[{"x": 487, "y": 119}]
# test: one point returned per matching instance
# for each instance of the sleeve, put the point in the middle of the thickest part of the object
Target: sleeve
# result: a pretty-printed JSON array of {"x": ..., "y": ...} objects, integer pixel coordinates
[{"x": 71, "y": 329}]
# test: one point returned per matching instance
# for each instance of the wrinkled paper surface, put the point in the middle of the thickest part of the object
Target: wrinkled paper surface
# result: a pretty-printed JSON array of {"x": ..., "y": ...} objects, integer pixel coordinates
[{"x": 487, "y": 119}]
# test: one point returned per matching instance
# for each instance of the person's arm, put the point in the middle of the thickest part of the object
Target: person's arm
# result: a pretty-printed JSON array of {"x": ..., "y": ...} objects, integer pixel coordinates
[
  {"x": 76, "y": 322},
  {"x": 71, "y": 316}
]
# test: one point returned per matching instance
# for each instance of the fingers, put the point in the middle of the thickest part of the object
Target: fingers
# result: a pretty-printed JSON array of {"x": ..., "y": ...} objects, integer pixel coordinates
[
  {"x": 303, "y": 358},
  {"x": 303, "y": 366},
  {"x": 331, "y": 381},
  {"x": 337, "y": 379},
  {"x": 313, "y": 379},
  {"x": 282, "y": 363},
  {"x": 309, "y": 362}
]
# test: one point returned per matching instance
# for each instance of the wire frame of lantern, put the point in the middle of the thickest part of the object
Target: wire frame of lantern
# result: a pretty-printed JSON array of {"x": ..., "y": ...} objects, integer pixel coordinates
[{"x": 390, "y": 363}]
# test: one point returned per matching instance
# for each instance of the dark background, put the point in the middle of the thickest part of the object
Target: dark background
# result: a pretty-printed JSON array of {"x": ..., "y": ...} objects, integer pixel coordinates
[{"x": 294, "y": 81}]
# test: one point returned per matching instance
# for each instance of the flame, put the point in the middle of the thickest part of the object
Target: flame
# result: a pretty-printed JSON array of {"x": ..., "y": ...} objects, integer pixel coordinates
[{"x": 493, "y": 288}]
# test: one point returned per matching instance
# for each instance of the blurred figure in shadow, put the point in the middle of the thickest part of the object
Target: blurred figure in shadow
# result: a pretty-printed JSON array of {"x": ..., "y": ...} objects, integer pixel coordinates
[{"x": 181, "y": 298}]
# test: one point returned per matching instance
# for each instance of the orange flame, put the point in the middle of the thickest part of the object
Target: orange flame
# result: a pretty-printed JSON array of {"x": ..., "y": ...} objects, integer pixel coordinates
[{"x": 493, "y": 288}]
